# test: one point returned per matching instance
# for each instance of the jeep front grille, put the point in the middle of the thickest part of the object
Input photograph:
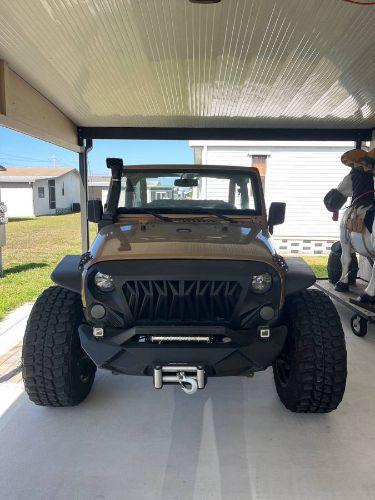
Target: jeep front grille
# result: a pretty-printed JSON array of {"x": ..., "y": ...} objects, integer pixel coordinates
[{"x": 177, "y": 300}]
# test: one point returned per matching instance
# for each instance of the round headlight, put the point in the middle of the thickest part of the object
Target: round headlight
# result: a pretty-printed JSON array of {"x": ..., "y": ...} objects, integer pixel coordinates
[
  {"x": 104, "y": 282},
  {"x": 261, "y": 283}
]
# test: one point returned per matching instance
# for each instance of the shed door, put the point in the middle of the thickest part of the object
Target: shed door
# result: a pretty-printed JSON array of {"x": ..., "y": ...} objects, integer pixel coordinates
[{"x": 52, "y": 194}]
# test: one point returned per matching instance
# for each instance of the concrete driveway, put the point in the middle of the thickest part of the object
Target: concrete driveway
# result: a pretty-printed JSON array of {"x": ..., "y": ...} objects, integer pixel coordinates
[{"x": 233, "y": 440}]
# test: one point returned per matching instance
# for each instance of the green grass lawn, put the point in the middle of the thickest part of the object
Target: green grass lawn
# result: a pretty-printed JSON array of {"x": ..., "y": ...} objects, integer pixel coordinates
[
  {"x": 318, "y": 264},
  {"x": 35, "y": 246}
]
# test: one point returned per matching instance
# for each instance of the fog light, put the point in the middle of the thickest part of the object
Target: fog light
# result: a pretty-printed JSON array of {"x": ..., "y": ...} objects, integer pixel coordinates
[
  {"x": 104, "y": 282},
  {"x": 267, "y": 313},
  {"x": 97, "y": 311},
  {"x": 261, "y": 283}
]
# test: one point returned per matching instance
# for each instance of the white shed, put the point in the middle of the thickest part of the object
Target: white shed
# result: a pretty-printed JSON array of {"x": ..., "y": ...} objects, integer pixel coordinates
[
  {"x": 298, "y": 173},
  {"x": 98, "y": 187},
  {"x": 33, "y": 191}
]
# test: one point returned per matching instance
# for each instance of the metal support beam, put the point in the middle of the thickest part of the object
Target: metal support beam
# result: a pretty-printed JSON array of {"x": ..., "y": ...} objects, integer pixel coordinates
[
  {"x": 236, "y": 134},
  {"x": 85, "y": 239}
]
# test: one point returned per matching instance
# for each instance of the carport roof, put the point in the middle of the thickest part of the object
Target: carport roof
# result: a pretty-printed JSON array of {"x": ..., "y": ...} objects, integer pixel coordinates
[{"x": 174, "y": 64}]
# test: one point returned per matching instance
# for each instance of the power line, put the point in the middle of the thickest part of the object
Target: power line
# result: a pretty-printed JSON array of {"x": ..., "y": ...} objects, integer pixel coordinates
[
  {"x": 29, "y": 158},
  {"x": 22, "y": 158}
]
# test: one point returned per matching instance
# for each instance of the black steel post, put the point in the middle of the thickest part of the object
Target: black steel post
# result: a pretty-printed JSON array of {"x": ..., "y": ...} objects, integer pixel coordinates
[{"x": 86, "y": 147}]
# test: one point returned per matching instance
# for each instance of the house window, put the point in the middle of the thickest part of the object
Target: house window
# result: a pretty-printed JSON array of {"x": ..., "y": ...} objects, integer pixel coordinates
[
  {"x": 40, "y": 192},
  {"x": 260, "y": 162},
  {"x": 63, "y": 190}
]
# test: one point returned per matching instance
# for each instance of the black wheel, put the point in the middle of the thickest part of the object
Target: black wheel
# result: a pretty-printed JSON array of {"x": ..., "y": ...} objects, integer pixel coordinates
[
  {"x": 359, "y": 325},
  {"x": 310, "y": 373},
  {"x": 334, "y": 268},
  {"x": 56, "y": 371}
]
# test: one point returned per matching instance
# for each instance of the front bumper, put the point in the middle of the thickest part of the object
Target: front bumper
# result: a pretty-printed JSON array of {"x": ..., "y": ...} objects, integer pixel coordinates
[{"x": 245, "y": 353}]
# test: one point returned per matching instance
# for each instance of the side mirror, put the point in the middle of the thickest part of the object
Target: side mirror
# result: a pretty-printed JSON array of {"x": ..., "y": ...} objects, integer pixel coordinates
[
  {"x": 94, "y": 211},
  {"x": 276, "y": 215}
]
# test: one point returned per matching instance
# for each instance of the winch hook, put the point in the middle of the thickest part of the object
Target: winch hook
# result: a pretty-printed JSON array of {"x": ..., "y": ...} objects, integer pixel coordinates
[{"x": 188, "y": 384}]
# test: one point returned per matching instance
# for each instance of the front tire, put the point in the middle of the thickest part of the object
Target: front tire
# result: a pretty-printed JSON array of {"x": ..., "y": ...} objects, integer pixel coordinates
[
  {"x": 55, "y": 369},
  {"x": 310, "y": 373}
]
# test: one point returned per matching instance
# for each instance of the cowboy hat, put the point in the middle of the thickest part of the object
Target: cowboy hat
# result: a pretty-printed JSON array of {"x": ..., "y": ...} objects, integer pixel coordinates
[{"x": 353, "y": 156}]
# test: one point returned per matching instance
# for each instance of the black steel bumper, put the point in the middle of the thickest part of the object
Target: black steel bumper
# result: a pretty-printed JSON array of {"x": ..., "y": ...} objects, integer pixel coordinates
[{"x": 247, "y": 352}]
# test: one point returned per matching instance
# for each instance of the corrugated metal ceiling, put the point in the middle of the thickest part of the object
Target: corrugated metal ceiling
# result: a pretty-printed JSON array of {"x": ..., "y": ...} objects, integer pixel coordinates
[{"x": 170, "y": 63}]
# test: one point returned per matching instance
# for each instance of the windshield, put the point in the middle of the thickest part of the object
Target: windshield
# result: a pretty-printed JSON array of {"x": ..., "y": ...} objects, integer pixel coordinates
[{"x": 196, "y": 191}]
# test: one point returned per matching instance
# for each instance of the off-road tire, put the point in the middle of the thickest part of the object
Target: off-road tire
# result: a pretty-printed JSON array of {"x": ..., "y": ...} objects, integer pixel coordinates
[
  {"x": 315, "y": 353},
  {"x": 334, "y": 268},
  {"x": 55, "y": 369}
]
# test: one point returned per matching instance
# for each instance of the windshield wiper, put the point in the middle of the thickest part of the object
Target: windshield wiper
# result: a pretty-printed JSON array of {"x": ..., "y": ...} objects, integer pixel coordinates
[
  {"x": 158, "y": 216},
  {"x": 222, "y": 217},
  {"x": 209, "y": 212}
]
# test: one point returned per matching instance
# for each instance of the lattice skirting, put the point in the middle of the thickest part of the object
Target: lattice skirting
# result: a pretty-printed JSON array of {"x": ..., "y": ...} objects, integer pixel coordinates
[{"x": 307, "y": 246}]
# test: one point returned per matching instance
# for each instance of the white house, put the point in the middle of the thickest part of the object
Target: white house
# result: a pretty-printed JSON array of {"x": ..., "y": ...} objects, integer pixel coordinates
[
  {"x": 298, "y": 173},
  {"x": 33, "y": 191}
]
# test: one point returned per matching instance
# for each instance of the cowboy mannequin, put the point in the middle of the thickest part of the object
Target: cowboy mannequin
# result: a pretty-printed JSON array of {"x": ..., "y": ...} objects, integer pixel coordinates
[
  {"x": 357, "y": 227},
  {"x": 362, "y": 182}
]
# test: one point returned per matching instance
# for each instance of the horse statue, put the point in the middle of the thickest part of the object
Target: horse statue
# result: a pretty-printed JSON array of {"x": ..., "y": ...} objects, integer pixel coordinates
[{"x": 357, "y": 228}]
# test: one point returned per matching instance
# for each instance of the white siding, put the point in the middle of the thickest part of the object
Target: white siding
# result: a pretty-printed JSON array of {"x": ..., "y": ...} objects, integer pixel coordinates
[
  {"x": 18, "y": 197},
  {"x": 299, "y": 176},
  {"x": 301, "y": 179},
  {"x": 95, "y": 192},
  {"x": 216, "y": 189},
  {"x": 70, "y": 182},
  {"x": 121, "y": 202}
]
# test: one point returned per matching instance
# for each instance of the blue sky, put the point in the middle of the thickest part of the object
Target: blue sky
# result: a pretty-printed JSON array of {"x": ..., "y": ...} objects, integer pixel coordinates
[{"x": 20, "y": 149}]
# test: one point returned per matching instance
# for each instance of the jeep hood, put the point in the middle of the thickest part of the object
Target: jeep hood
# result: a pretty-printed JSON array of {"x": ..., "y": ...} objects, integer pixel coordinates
[{"x": 175, "y": 240}]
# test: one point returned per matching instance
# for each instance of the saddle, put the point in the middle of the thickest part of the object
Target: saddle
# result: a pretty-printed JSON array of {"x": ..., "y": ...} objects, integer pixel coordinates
[
  {"x": 355, "y": 221},
  {"x": 359, "y": 220}
]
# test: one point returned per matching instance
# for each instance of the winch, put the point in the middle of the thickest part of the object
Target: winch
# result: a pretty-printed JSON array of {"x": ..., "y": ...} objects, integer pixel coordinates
[{"x": 190, "y": 378}]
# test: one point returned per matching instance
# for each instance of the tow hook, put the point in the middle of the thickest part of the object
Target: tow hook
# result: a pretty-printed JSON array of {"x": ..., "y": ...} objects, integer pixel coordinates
[{"x": 188, "y": 384}]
